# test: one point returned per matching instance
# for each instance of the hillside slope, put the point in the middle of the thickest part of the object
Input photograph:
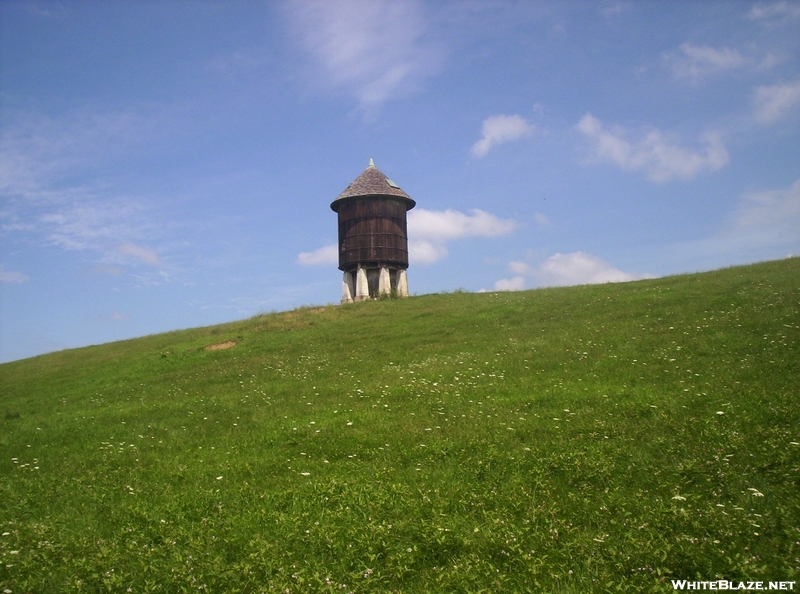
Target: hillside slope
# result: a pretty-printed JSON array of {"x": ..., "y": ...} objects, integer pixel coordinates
[{"x": 598, "y": 438}]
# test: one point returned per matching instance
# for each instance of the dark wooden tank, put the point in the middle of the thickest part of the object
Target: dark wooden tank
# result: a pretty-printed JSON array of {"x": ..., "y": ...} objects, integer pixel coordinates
[
  {"x": 372, "y": 223},
  {"x": 373, "y": 233}
]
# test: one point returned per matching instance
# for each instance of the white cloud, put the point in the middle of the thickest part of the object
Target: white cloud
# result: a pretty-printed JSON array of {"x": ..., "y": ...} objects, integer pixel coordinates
[
  {"x": 695, "y": 61},
  {"x": 440, "y": 226},
  {"x": 577, "y": 268},
  {"x": 775, "y": 101},
  {"x": 499, "y": 129},
  {"x": 430, "y": 230},
  {"x": 8, "y": 276},
  {"x": 661, "y": 158},
  {"x": 328, "y": 254},
  {"x": 423, "y": 251},
  {"x": 778, "y": 12},
  {"x": 516, "y": 283},
  {"x": 373, "y": 50}
]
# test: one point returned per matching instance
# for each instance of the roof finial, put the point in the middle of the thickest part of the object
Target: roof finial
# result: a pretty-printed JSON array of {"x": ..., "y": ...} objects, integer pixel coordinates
[{"x": 371, "y": 162}]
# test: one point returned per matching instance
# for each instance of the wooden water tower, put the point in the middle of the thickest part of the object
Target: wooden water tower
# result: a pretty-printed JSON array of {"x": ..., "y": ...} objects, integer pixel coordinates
[{"x": 373, "y": 238}]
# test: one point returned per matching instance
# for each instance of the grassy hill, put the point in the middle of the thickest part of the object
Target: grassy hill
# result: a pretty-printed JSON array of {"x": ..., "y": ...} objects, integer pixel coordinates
[{"x": 584, "y": 439}]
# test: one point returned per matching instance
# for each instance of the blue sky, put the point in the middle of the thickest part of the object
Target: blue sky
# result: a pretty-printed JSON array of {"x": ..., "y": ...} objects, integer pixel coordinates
[{"x": 167, "y": 165}]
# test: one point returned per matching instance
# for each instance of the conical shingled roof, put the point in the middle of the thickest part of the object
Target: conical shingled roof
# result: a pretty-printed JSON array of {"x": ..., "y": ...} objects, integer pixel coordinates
[{"x": 372, "y": 182}]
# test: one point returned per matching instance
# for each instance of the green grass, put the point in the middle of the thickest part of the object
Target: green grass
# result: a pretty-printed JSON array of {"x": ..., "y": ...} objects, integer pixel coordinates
[{"x": 587, "y": 439}]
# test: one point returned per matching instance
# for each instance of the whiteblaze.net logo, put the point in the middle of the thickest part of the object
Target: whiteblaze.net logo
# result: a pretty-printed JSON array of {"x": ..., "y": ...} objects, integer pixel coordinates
[{"x": 731, "y": 585}]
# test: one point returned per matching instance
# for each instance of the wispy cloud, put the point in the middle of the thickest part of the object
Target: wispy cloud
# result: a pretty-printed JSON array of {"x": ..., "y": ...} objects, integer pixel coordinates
[
  {"x": 762, "y": 226},
  {"x": 429, "y": 233},
  {"x": 89, "y": 222},
  {"x": 767, "y": 217},
  {"x": 698, "y": 61},
  {"x": 39, "y": 152},
  {"x": 577, "y": 268},
  {"x": 775, "y": 13},
  {"x": 772, "y": 102},
  {"x": 661, "y": 158},
  {"x": 140, "y": 253},
  {"x": 613, "y": 8},
  {"x": 373, "y": 50},
  {"x": 40, "y": 160},
  {"x": 499, "y": 129},
  {"x": 10, "y": 276}
]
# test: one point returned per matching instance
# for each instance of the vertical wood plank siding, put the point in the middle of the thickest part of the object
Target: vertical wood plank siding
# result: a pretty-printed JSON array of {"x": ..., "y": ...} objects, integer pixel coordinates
[{"x": 372, "y": 232}]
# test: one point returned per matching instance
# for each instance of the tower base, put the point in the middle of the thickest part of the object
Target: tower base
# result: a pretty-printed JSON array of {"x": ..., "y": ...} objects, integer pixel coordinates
[{"x": 373, "y": 283}]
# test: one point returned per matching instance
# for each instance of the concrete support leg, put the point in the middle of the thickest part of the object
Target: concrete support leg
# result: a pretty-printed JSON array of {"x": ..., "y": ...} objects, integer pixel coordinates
[
  {"x": 384, "y": 282},
  {"x": 402, "y": 284},
  {"x": 362, "y": 286},
  {"x": 348, "y": 288}
]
